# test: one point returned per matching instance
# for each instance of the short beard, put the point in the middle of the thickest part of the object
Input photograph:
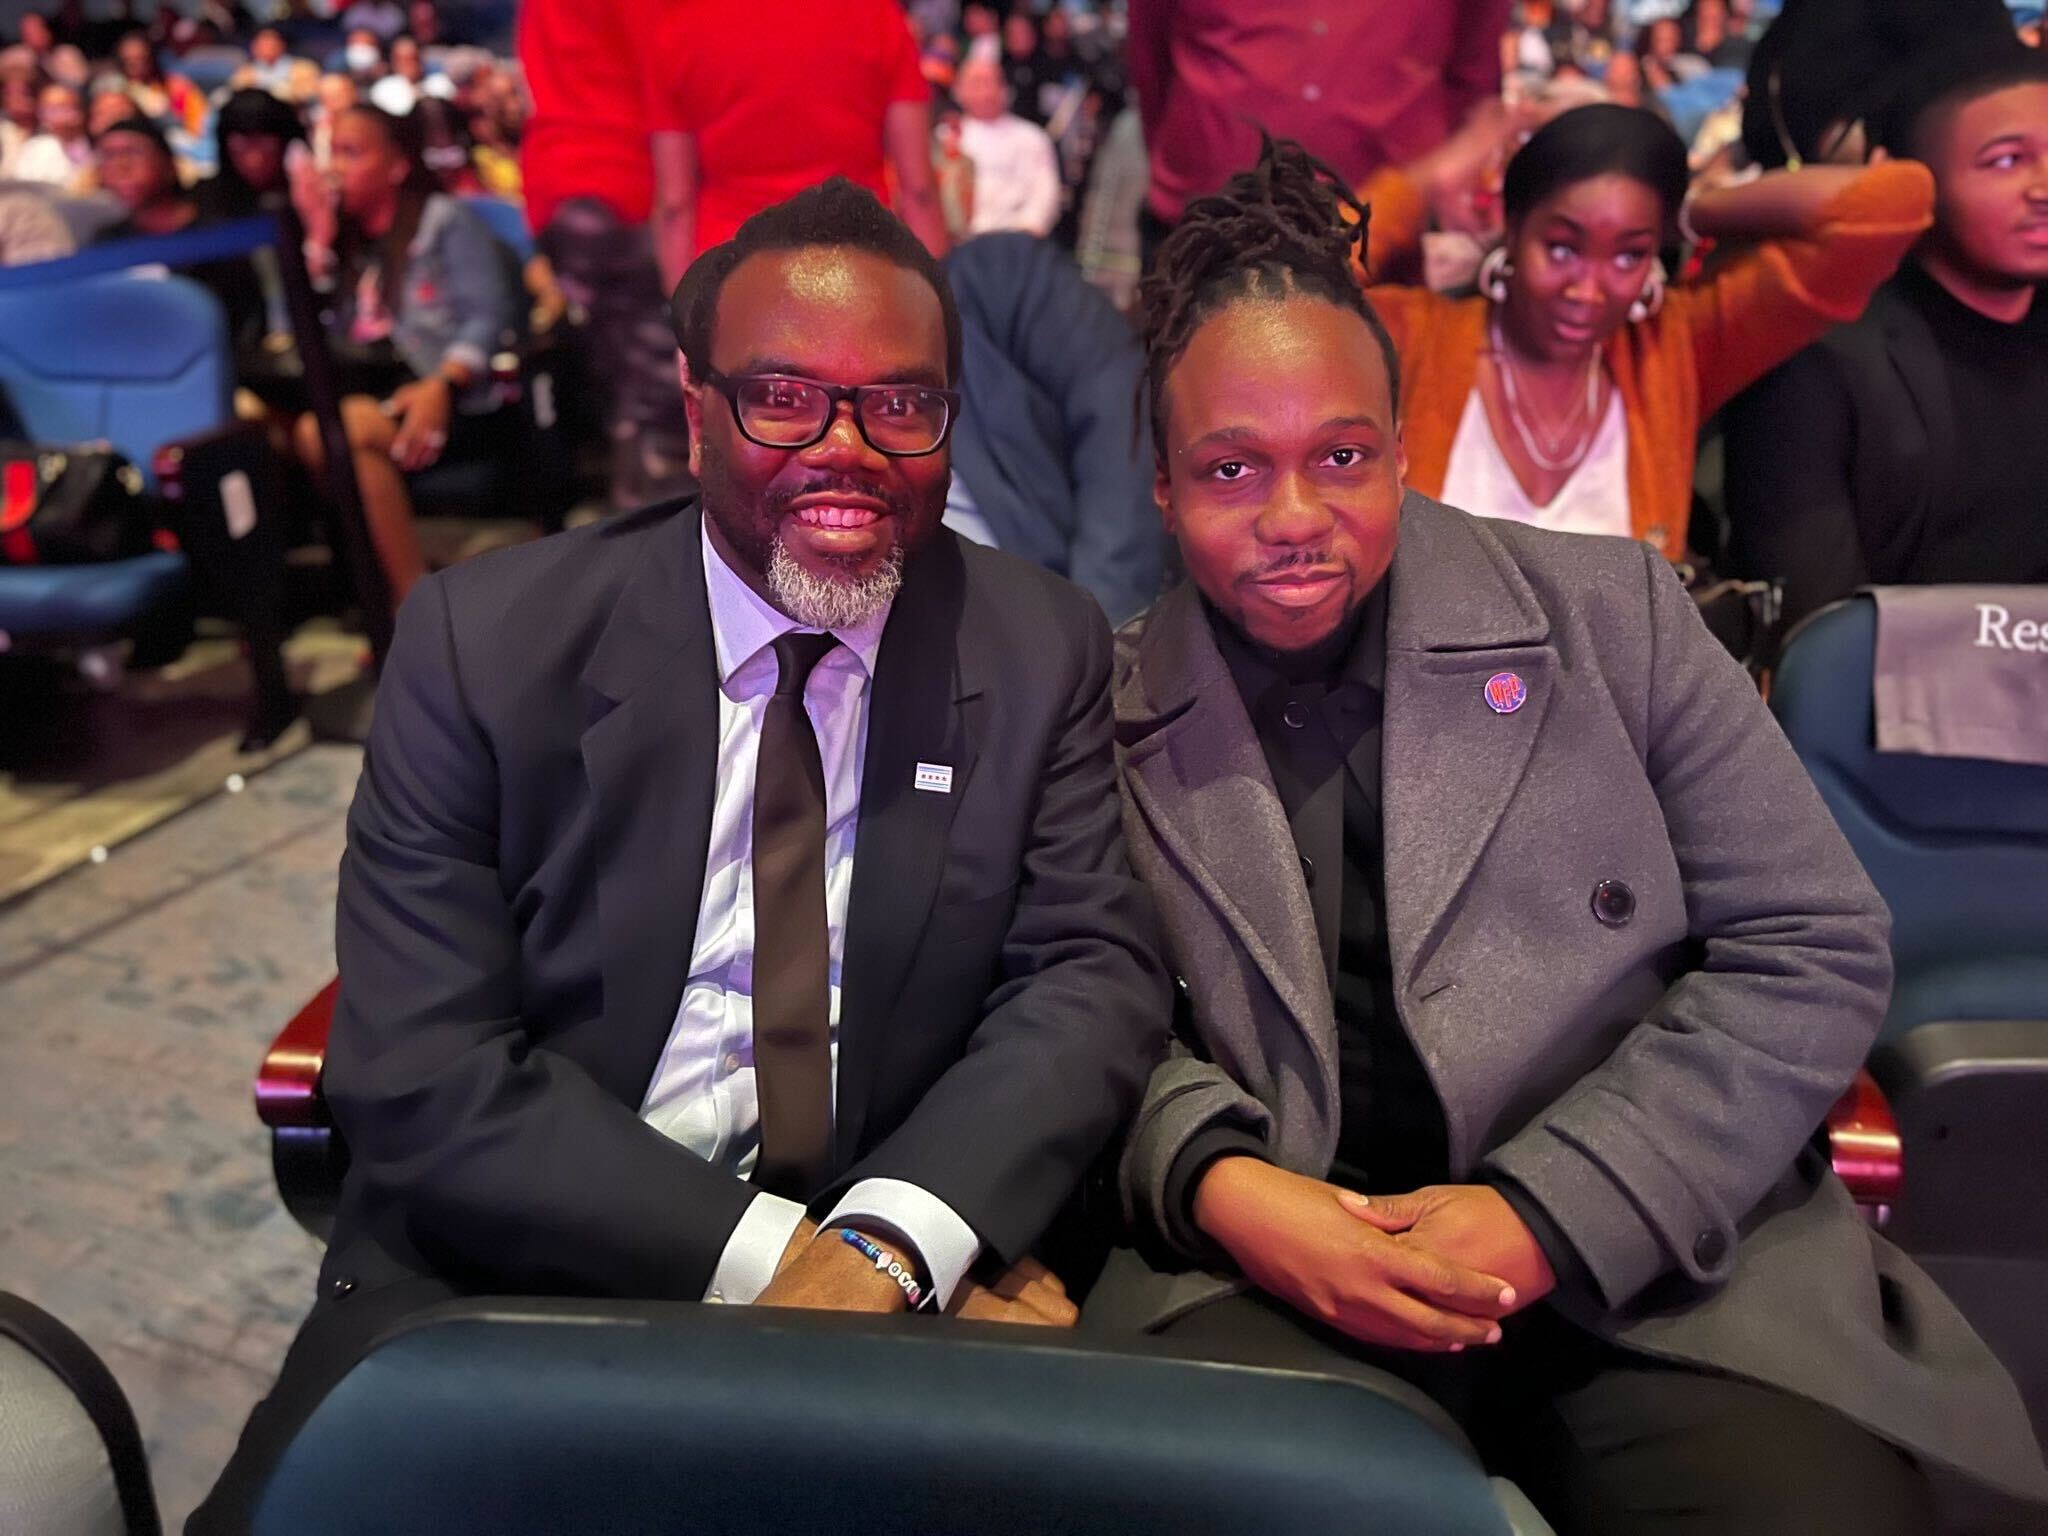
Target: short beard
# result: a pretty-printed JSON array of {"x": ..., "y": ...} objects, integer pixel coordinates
[{"x": 828, "y": 602}]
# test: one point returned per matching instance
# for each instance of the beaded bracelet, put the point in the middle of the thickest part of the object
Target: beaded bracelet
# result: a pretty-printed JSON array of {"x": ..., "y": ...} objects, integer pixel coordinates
[{"x": 887, "y": 1262}]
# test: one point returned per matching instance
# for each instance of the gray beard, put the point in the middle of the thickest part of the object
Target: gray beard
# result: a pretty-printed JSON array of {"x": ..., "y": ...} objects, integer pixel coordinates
[{"x": 824, "y": 602}]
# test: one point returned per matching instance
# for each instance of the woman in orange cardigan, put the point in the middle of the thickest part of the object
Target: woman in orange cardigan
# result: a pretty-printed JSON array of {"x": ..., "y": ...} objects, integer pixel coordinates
[{"x": 1570, "y": 390}]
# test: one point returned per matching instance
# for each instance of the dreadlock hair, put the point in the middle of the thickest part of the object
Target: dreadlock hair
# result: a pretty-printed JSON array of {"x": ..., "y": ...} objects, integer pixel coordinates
[
  {"x": 834, "y": 212},
  {"x": 1284, "y": 229}
]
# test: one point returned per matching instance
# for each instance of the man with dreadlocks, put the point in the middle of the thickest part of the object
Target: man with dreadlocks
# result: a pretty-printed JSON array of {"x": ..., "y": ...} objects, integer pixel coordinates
[
  {"x": 1519, "y": 961},
  {"x": 867, "y": 764}
]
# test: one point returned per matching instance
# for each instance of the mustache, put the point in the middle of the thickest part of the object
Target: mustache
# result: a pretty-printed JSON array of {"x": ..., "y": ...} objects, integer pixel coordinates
[
  {"x": 778, "y": 501},
  {"x": 1300, "y": 559}
]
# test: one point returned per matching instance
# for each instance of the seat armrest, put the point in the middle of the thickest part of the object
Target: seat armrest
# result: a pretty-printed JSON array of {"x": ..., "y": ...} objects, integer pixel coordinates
[
  {"x": 1864, "y": 1146},
  {"x": 288, "y": 1082}
]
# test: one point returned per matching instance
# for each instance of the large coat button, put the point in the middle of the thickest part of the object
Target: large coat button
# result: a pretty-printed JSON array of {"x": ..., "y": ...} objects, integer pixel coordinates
[
  {"x": 1613, "y": 903},
  {"x": 1711, "y": 1248}
]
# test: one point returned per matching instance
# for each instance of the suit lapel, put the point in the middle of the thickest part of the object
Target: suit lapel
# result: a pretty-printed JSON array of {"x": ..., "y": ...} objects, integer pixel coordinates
[
  {"x": 651, "y": 755},
  {"x": 922, "y": 710},
  {"x": 1460, "y": 613},
  {"x": 1194, "y": 768}
]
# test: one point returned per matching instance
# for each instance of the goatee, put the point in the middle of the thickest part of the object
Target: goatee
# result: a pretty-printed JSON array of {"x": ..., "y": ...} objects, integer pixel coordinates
[{"x": 831, "y": 602}]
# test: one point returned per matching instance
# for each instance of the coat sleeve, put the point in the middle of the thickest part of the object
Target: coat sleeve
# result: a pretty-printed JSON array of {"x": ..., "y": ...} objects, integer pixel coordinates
[
  {"x": 1189, "y": 1104},
  {"x": 499, "y": 1156},
  {"x": 1766, "y": 303},
  {"x": 1070, "y": 342},
  {"x": 1077, "y": 1014},
  {"x": 1650, "y": 1161}
]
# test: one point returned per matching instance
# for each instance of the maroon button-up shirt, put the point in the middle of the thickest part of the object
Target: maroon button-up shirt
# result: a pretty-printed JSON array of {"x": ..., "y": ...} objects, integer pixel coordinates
[{"x": 1361, "y": 83}]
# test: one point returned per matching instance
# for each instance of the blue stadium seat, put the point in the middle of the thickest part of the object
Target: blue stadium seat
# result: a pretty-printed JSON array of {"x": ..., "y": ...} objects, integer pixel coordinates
[
  {"x": 513, "y": 1416},
  {"x": 507, "y": 220},
  {"x": 1959, "y": 850},
  {"x": 209, "y": 68},
  {"x": 139, "y": 362}
]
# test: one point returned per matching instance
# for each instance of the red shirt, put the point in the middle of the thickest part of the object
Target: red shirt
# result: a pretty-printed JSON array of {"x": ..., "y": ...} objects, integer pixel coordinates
[
  {"x": 1360, "y": 83},
  {"x": 779, "y": 97},
  {"x": 587, "y": 134}
]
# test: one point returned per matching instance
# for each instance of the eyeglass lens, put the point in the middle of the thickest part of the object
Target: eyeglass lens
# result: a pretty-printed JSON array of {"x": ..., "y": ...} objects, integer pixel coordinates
[{"x": 789, "y": 413}]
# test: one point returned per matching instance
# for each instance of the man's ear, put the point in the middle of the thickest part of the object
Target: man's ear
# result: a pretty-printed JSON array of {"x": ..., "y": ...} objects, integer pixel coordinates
[
  {"x": 1400, "y": 455},
  {"x": 1162, "y": 496},
  {"x": 693, "y": 413}
]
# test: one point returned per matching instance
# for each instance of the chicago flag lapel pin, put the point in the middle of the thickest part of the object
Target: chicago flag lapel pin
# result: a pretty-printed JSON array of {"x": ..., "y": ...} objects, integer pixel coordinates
[{"x": 937, "y": 778}]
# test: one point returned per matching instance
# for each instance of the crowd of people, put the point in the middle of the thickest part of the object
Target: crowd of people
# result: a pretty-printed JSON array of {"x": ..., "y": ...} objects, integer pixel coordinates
[{"x": 1359, "y": 317}]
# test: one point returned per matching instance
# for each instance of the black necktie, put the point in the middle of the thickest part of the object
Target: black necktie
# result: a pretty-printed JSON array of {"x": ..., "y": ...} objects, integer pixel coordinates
[{"x": 792, "y": 1000}]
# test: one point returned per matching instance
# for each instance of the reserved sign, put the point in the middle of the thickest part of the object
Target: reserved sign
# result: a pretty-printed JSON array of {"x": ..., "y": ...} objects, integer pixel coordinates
[{"x": 1960, "y": 672}]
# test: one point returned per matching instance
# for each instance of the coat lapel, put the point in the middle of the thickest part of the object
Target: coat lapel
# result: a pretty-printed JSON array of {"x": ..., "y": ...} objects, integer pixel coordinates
[
  {"x": 651, "y": 755},
  {"x": 1194, "y": 768},
  {"x": 1460, "y": 612},
  {"x": 922, "y": 710}
]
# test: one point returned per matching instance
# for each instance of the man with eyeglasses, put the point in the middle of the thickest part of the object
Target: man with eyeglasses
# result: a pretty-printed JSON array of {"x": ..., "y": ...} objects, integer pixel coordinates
[{"x": 735, "y": 907}]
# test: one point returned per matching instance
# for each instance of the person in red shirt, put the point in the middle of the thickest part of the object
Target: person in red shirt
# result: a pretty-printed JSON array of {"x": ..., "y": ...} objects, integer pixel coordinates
[
  {"x": 1361, "y": 84},
  {"x": 749, "y": 108},
  {"x": 589, "y": 175}
]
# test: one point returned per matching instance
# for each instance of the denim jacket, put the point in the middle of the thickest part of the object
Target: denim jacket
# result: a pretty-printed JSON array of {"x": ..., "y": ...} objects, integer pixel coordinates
[{"x": 460, "y": 300}]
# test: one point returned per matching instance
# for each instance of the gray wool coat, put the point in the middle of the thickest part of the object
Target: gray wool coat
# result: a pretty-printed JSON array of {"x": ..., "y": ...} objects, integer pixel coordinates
[{"x": 1656, "y": 1086}]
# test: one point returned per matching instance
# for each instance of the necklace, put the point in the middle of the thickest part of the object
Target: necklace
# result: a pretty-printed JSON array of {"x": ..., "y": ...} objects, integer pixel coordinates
[{"x": 1581, "y": 428}]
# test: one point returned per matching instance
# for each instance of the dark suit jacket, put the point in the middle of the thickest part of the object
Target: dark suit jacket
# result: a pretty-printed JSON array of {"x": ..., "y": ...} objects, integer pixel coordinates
[
  {"x": 1654, "y": 1084},
  {"x": 1833, "y": 459},
  {"x": 1050, "y": 442},
  {"x": 520, "y": 891}
]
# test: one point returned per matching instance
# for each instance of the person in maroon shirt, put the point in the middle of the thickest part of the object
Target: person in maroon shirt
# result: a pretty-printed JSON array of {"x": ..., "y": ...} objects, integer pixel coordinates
[
  {"x": 589, "y": 177},
  {"x": 1360, "y": 83}
]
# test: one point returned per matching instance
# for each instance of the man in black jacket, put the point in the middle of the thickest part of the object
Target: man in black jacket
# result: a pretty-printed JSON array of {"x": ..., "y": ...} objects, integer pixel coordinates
[
  {"x": 867, "y": 765},
  {"x": 1907, "y": 447}
]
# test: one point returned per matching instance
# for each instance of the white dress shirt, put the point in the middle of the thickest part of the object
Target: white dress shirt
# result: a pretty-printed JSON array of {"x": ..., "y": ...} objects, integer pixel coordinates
[{"x": 704, "y": 1094}]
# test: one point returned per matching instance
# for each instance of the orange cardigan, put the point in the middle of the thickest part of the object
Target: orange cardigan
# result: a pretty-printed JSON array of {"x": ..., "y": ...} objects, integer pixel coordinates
[{"x": 1712, "y": 339}]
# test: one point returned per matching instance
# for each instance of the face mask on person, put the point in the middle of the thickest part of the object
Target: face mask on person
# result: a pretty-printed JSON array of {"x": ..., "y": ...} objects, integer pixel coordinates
[{"x": 361, "y": 57}]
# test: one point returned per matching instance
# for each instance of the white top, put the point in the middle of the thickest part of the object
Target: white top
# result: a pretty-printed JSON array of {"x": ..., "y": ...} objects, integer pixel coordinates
[
  {"x": 1594, "y": 500},
  {"x": 1016, "y": 175},
  {"x": 703, "y": 1093},
  {"x": 48, "y": 159}
]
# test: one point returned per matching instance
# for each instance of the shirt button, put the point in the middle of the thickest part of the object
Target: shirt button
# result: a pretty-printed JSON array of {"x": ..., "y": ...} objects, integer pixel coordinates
[
  {"x": 731, "y": 1063},
  {"x": 1295, "y": 714},
  {"x": 1613, "y": 903},
  {"x": 1308, "y": 869},
  {"x": 1311, "y": 92}
]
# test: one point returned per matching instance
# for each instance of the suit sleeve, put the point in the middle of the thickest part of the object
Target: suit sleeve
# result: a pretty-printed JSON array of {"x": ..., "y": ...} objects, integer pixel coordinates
[
  {"x": 1650, "y": 1161},
  {"x": 1794, "y": 513},
  {"x": 1074, "y": 346},
  {"x": 500, "y": 1156},
  {"x": 1076, "y": 1017}
]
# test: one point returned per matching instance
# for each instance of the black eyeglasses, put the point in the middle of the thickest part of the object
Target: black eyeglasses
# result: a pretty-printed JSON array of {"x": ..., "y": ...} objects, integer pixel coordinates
[{"x": 778, "y": 410}]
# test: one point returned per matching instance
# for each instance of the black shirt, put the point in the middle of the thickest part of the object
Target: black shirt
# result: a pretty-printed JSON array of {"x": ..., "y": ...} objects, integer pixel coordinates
[
  {"x": 1318, "y": 717},
  {"x": 1988, "y": 525}
]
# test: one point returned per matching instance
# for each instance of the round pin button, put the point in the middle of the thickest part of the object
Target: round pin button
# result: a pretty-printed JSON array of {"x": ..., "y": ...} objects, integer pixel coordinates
[
  {"x": 1613, "y": 903},
  {"x": 1294, "y": 714}
]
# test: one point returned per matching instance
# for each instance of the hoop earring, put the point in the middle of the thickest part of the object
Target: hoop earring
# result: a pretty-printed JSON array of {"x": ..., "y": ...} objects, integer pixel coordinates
[
  {"x": 1651, "y": 299},
  {"x": 1495, "y": 268}
]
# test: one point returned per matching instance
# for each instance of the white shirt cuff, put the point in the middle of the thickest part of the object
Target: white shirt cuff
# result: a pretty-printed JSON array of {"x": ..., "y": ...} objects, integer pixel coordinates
[
  {"x": 754, "y": 1249},
  {"x": 921, "y": 1220}
]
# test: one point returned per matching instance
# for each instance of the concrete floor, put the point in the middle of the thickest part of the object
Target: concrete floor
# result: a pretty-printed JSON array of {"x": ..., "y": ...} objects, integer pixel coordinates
[{"x": 136, "y": 1201}]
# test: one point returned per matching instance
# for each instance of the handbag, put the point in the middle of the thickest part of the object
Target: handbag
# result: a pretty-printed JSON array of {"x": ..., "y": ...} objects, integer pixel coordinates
[{"x": 71, "y": 506}]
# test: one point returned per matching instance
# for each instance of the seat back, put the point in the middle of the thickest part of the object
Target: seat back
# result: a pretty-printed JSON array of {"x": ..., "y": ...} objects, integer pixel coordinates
[
  {"x": 507, "y": 221},
  {"x": 1957, "y": 847},
  {"x": 71, "y": 1458},
  {"x": 509, "y": 1417},
  {"x": 137, "y": 361}
]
